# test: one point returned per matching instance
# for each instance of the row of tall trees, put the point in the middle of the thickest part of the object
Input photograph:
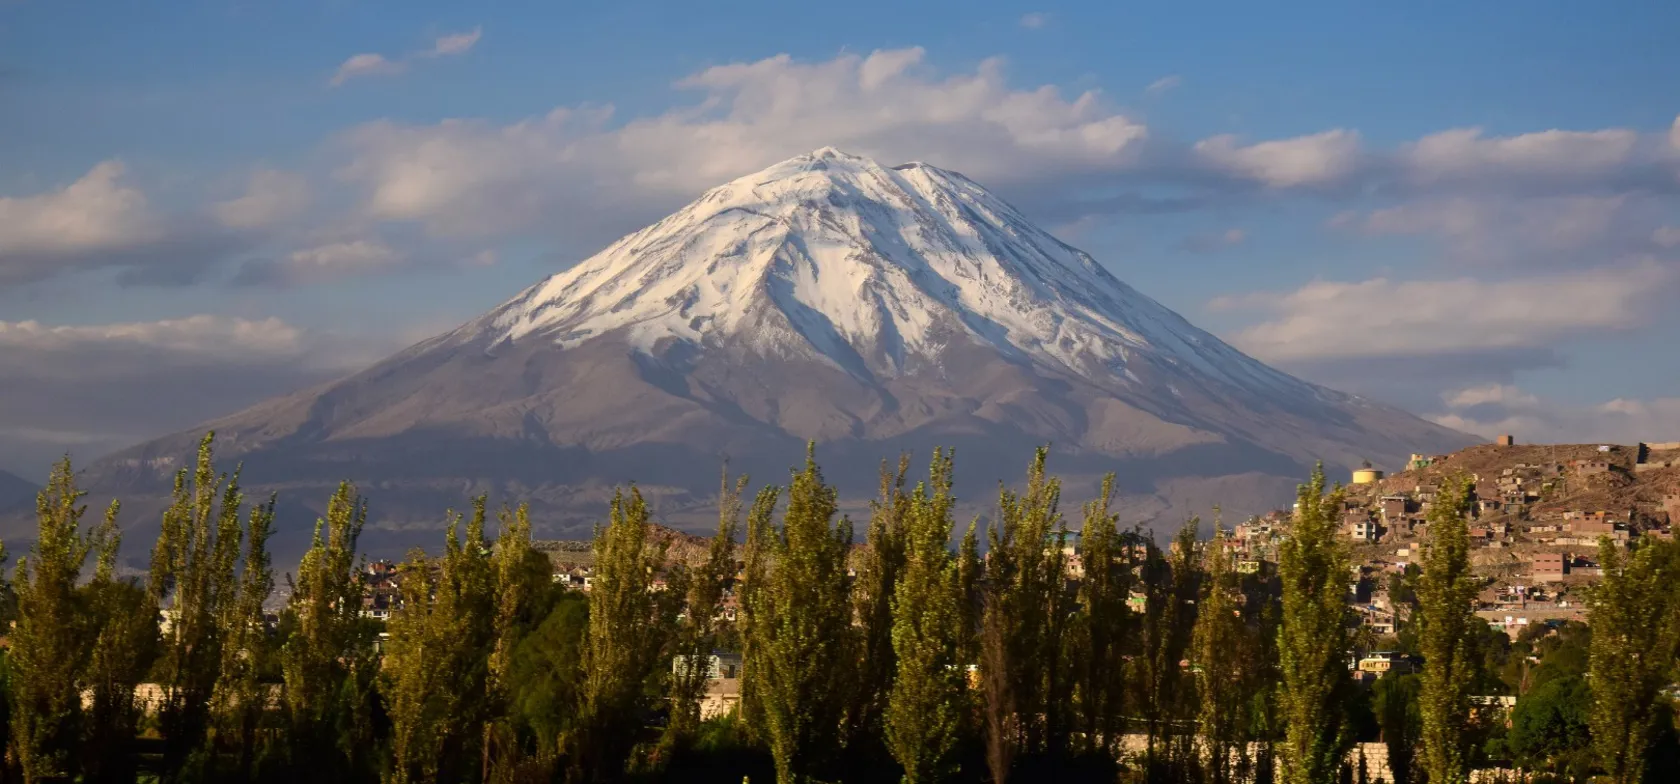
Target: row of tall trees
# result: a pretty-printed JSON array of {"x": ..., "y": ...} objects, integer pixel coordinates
[
  {"x": 1058, "y": 653},
  {"x": 1634, "y": 656},
  {"x": 179, "y": 673}
]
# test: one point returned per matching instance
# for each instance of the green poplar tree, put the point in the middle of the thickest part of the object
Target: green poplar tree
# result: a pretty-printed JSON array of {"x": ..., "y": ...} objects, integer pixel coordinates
[
  {"x": 1446, "y": 594},
  {"x": 515, "y": 598},
  {"x": 124, "y": 643},
  {"x": 1180, "y": 695},
  {"x": 192, "y": 580},
  {"x": 410, "y": 675},
  {"x": 239, "y": 700},
  {"x": 1264, "y": 610},
  {"x": 626, "y": 643},
  {"x": 1055, "y": 666},
  {"x": 1023, "y": 621},
  {"x": 435, "y": 675},
  {"x": 880, "y": 564},
  {"x": 48, "y": 645},
  {"x": 327, "y": 662},
  {"x": 754, "y": 620},
  {"x": 1313, "y": 638},
  {"x": 1000, "y": 657},
  {"x": 1223, "y": 654},
  {"x": 926, "y": 701},
  {"x": 969, "y": 570},
  {"x": 464, "y": 608},
  {"x": 1155, "y": 668},
  {"x": 704, "y": 607},
  {"x": 1632, "y": 653},
  {"x": 803, "y": 617},
  {"x": 1395, "y": 700},
  {"x": 1103, "y": 623},
  {"x": 1171, "y": 581}
]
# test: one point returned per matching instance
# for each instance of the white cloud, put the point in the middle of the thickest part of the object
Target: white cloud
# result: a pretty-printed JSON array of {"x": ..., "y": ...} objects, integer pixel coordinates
[
  {"x": 1501, "y": 408},
  {"x": 103, "y": 221},
  {"x": 96, "y": 212},
  {"x": 327, "y": 261},
  {"x": 1530, "y": 231},
  {"x": 886, "y": 105},
  {"x": 1565, "y": 221},
  {"x": 1164, "y": 84},
  {"x": 455, "y": 43},
  {"x": 33, "y": 351},
  {"x": 1501, "y": 394},
  {"x": 470, "y": 177},
  {"x": 94, "y": 388},
  {"x": 270, "y": 197},
  {"x": 587, "y": 168},
  {"x": 1464, "y": 153},
  {"x": 583, "y": 173},
  {"x": 1387, "y": 318},
  {"x": 1455, "y": 161},
  {"x": 1035, "y": 20},
  {"x": 366, "y": 64},
  {"x": 1320, "y": 159},
  {"x": 218, "y": 338},
  {"x": 354, "y": 254},
  {"x": 375, "y": 64}
]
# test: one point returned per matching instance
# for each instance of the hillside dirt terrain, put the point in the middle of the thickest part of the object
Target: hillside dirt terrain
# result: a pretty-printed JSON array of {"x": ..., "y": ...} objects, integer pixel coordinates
[{"x": 1531, "y": 502}]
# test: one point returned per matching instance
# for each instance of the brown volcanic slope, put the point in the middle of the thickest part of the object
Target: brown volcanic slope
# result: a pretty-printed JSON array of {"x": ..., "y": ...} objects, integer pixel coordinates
[{"x": 872, "y": 309}]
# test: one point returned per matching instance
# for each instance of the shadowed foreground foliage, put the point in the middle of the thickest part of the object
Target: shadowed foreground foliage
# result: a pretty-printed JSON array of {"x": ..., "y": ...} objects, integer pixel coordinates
[{"x": 1056, "y": 655}]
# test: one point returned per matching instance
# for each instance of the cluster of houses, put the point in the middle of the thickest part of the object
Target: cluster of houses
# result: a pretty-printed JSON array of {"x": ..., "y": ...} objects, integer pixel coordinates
[
  {"x": 1544, "y": 551},
  {"x": 576, "y": 577},
  {"x": 1505, "y": 512},
  {"x": 1535, "y": 550},
  {"x": 381, "y": 595},
  {"x": 723, "y": 681}
]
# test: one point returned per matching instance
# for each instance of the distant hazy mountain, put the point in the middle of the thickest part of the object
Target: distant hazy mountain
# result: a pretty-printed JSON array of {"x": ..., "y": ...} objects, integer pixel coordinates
[
  {"x": 15, "y": 492},
  {"x": 873, "y": 309}
]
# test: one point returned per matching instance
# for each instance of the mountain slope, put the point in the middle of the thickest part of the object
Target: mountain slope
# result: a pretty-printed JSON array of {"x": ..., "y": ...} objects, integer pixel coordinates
[
  {"x": 15, "y": 492},
  {"x": 875, "y": 269},
  {"x": 873, "y": 309}
]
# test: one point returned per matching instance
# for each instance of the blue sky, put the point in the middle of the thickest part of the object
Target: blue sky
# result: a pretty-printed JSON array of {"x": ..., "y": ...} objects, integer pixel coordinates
[{"x": 1467, "y": 209}]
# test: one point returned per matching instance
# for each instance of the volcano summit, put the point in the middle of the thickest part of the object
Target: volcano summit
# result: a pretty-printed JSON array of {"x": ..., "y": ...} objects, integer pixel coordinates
[{"x": 873, "y": 309}]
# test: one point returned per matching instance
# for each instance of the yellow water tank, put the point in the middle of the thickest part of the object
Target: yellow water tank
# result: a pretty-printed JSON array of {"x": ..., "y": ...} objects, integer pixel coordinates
[{"x": 1365, "y": 476}]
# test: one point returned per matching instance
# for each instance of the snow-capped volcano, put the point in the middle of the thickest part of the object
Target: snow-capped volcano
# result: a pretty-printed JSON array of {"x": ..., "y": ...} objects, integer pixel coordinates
[
  {"x": 874, "y": 309},
  {"x": 874, "y": 269}
]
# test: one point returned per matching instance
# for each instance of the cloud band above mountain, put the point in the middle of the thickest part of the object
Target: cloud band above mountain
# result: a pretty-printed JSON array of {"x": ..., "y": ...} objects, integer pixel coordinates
[{"x": 1579, "y": 223}]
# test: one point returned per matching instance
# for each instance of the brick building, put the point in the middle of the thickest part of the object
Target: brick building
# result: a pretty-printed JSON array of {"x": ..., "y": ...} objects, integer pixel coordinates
[{"x": 1548, "y": 567}]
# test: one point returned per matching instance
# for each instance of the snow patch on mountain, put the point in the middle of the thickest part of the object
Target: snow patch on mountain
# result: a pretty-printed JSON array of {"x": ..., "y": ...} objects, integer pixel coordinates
[{"x": 876, "y": 270}]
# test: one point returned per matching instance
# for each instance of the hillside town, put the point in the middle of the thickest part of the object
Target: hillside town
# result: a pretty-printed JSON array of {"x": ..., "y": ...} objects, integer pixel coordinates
[
  {"x": 1531, "y": 576},
  {"x": 1537, "y": 517},
  {"x": 1538, "y": 514}
]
